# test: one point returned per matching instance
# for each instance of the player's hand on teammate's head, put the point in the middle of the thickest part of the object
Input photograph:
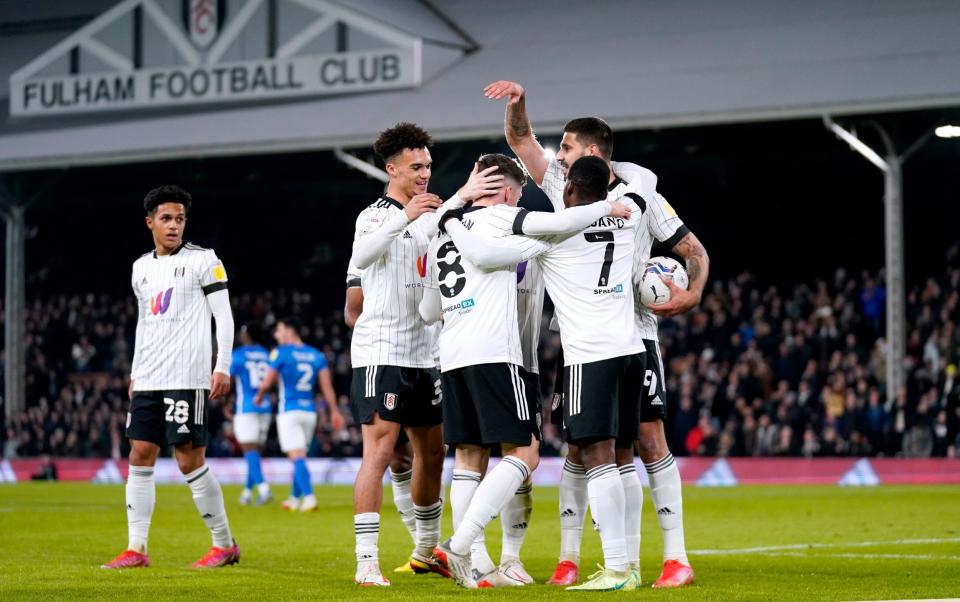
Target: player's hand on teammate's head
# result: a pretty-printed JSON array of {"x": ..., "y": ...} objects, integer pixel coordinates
[
  {"x": 422, "y": 203},
  {"x": 450, "y": 214},
  {"x": 512, "y": 91},
  {"x": 219, "y": 385},
  {"x": 619, "y": 210},
  {"x": 681, "y": 301},
  {"x": 481, "y": 183}
]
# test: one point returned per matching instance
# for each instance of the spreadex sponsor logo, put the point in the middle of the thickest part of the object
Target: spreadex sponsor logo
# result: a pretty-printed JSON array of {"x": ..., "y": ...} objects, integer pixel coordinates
[
  {"x": 616, "y": 291},
  {"x": 466, "y": 304}
]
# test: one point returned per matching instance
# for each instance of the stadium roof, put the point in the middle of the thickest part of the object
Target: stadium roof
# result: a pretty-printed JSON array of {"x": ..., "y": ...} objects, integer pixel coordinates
[{"x": 638, "y": 64}]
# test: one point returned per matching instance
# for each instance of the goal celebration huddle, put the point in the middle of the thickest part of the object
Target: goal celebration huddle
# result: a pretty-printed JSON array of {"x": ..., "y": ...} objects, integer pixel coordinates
[{"x": 445, "y": 298}]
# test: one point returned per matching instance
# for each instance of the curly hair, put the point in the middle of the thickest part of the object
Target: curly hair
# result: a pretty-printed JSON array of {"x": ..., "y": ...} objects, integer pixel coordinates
[
  {"x": 508, "y": 167},
  {"x": 167, "y": 194},
  {"x": 392, "y": 141}
]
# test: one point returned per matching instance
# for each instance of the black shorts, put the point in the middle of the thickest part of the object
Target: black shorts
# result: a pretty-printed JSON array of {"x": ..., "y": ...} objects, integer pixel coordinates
[
  {"x": 488, "y": 404},
  {"x": 601, "y": 400},
  {"x": 408, "y": 396},
  {"x": 556, "y": 407},
  {"x": 653, "y": 400},
  {"x": 171, "y": 417}
]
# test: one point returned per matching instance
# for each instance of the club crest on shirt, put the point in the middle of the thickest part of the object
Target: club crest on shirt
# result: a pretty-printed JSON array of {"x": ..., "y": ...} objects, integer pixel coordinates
[
  {"x": 179, "y": 272},
  {"x": 390, "y": 401}
]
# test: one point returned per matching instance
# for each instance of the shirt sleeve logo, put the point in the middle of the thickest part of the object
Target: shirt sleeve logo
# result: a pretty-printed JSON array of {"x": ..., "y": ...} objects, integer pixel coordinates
[{"x": 219, "y": 273}]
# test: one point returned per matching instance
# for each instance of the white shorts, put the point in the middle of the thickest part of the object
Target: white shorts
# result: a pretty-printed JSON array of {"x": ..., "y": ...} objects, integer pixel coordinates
[
  {"x": 251, "y": 428},
  {"x": 295, "y": 429}
]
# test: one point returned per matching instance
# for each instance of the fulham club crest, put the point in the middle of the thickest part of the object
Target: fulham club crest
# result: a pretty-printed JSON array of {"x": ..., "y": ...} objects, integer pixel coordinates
[
  {"x": 203, "y": 19},
  {"x": 390, "y": 401}
]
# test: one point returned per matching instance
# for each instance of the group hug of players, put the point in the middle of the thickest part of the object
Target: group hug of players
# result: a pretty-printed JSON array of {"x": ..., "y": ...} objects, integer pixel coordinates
[{"x": 460, "y": 284}]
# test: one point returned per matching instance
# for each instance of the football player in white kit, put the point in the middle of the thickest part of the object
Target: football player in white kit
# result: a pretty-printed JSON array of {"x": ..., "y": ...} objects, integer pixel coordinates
[
  {"x": 588, "y": 276},
  {"x": 401, "y": 463},
  {"x": 486, "y": 399},
  {"x": 591, "y": 136},
  {"x": 179, "y": 287},
  {"x": 395, "y": 382}
]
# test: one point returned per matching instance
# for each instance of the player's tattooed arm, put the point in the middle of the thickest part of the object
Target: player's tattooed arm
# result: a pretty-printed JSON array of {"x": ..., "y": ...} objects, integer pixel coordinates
[
  {"x": 698, "y": 267},
  {"x": 517, "y": 128}
]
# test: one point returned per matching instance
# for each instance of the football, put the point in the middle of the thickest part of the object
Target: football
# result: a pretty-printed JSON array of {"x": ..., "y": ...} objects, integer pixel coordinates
[{"x": 652, "y": 289}]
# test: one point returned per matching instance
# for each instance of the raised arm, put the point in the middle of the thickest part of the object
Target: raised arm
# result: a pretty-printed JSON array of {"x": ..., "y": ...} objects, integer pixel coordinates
[{"x": 516, "y": 126}]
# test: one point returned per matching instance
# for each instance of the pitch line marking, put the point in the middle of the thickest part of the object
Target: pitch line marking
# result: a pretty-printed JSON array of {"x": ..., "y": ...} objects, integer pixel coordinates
[
  {"x": 809, "y": 546},
  {"x": 867, "y": 556}
]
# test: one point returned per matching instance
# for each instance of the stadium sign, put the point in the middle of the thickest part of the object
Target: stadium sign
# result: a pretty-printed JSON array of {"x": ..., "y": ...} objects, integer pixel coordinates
[{"x": 139, "y": 55}]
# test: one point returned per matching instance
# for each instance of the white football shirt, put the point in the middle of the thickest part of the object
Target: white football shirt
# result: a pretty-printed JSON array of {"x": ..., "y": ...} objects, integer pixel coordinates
[
  {"x": 355, "y": 278},
  {"x": 660, "y": 223},
  {"x": 589, "y": 278},
  {"x": 174, "y": 341},
  {"x": 390, "y": 331},
  {"x": 479, "y": 307},
  {"x": 530, "y": 292}
]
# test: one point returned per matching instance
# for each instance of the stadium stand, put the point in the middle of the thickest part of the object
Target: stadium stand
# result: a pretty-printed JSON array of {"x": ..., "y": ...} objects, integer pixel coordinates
[{"x": 756, "y": 370}]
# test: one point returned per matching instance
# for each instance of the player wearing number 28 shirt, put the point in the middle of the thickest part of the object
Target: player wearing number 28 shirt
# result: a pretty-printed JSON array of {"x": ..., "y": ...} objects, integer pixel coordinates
[{"x": 179, "y": 287}]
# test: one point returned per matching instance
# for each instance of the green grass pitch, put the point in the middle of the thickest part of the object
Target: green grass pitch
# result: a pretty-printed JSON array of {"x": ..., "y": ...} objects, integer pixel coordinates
[{"x": 880, "y": 543}]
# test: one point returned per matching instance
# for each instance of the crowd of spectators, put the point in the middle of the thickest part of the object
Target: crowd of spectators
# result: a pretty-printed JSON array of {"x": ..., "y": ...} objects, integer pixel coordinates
[{"x": 755, "y": 370}]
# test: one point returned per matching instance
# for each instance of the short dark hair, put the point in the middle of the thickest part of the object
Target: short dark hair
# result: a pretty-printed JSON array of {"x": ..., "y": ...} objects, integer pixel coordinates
[
  {"x": 593, "y": 130},
  {"x": 291, "y": 322},
  {"x": 167, "y": 194},
  {"x": 508, "y": 167},
  {"x": 253, "y": 331},
  {"x": 392, "y": 141},
  {"x": 590, "y": 176}
]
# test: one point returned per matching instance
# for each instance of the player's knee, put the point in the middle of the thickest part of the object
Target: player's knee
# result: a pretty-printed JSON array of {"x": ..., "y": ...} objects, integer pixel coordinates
[
  {"x": 624, "y": 455},
  {"x": 597, "y": 453},
  {"x": 143, "y": 453},
  {"x": 400, "y": 462},
  {"x": 651, "y": 449},
  {"x": 189, "y": 460}
]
